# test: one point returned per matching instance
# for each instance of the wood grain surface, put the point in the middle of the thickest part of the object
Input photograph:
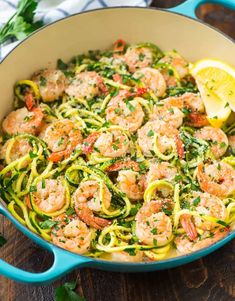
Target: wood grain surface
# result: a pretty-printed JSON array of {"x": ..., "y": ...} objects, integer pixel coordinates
[{"x": 211, "y": 278}]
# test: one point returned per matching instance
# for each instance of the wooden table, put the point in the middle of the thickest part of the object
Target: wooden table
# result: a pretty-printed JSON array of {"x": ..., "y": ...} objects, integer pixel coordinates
[{"x": 211, "y": 278}]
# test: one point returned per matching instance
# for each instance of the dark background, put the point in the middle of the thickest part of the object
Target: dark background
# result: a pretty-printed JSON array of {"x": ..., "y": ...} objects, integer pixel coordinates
[{"x": 210, "y": 278}]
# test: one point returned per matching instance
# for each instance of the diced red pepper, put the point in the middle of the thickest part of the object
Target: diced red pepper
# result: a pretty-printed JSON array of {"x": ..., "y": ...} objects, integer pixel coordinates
[{"x": 141, "y": 91}]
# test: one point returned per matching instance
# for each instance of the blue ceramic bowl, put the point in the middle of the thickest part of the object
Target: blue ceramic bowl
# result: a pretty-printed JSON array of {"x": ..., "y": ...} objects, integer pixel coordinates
[{"x": 65, "y": 261}]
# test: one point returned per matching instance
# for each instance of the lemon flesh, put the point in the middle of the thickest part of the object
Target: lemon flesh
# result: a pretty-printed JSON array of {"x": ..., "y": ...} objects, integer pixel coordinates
[{"x": 216, "y": 83}]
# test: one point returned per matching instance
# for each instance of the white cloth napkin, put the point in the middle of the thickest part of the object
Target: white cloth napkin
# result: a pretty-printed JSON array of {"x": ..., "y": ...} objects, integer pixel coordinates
[{"x": 51, "y": 10}]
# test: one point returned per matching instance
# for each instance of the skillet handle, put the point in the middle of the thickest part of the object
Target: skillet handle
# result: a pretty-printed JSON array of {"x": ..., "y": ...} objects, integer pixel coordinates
[
  {"x": 64, "y": 261},
  {"x": 189, "y": 7}
]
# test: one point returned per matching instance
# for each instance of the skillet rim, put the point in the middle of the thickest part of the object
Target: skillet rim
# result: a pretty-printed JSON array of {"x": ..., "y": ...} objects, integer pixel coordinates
[
  {"x": 165, "y": 10},
  {"x": 197, "y": 254}
]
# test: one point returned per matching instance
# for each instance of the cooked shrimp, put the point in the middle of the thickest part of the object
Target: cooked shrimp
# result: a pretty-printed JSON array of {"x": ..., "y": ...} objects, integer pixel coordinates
[
  {"x": 184, "y": 245},
  {"x": 138, "y": 57},
  {"x": 217, "y": 139},
  {"x": 167, "y": 138},
  {"x": 62, "y": 137},
  {"x": 205, "y": 204},
  {"x": 165, "y": 141},
  {"x": 51, "y": 83},
  {"x": 169, "y": 76},
  {"x": 126, "y": 113},
  {"x": 209, "y": 205},
  {"x": 189, "y": 226},
  {"x": 152, "y": 79},
  {"x": 145, "y": 137},
  {"x": 71, "y": 234},
  {"x": 123, "y": 256},
  {"x": 19, "y": 148},
  {"x": 152, "y": 226},
  {"x": 177, "y": 62},
  {"x": 87, "y": 198},
  {"x": 159, "y": 171},
  {"x": 187, "y": 100},
  {"x": 186, "y": 103},
  {"x": 22, "y": 121},
  {"x": 217, "y": 179},
  {"x": 131, "y": 183},
  {"x": 112, "y": 144},
  {"x": 231, "y": 141},
  {"x": 172, "y": 116},
  {"x": 86, "y": 85},
  {"x": 50, "y": 195}
]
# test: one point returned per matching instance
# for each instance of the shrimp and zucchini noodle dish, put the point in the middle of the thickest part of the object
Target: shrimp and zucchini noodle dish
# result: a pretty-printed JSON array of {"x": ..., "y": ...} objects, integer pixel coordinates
[{"x": 111, "y": 155}]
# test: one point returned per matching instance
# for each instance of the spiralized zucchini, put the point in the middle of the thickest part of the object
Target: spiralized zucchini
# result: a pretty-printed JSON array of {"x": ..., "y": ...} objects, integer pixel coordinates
[{"x": 106, "y": 169}]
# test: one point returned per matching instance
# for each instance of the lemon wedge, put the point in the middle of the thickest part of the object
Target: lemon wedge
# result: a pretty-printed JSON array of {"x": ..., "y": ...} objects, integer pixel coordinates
[{"x": 216, "y": 83}]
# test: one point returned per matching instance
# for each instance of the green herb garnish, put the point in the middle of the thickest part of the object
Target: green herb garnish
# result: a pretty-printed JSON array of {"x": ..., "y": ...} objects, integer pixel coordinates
[
  {"x": 70, "y": 211},
  {"x": 66, "y": 293},
  {"x": 21, "y": 23},
  {"x": 48, "y": 224}
]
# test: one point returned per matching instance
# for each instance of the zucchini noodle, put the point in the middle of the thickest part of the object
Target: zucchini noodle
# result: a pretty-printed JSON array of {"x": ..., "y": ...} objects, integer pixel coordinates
[{"x": 109, "y": 156}]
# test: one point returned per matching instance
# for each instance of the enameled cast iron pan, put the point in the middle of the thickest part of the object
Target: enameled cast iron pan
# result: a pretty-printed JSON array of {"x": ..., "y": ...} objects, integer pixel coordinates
[{"x": 97, "y": 30}]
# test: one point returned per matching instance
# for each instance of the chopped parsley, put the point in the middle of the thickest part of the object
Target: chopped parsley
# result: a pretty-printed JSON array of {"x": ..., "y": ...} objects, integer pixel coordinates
[
  {"x": 32, "y": 155},
  {"x": 48, "y": 224},
  {"x": 196, "y": 201},
  {"x": 131, "y": 252},
  {"x": 32, "y": 189},
  {"x": 141, "y": 57},
  {"x": 170, "y": 72},
  {"x": 70, "y": 211},
  {"x": 154, "y": 242},
  {"x": 115, "y": 147},
  {"x": 150, "y": 133},
  {"x": 117, "y": 110},
  {"x": 60, "y": 141},
  {"x": 61, "y": 65},
  {"x": 42, "y": 81},
  {"x": 154, "y": 231},
  {"x": 178, "y": 178},
  {"x": 43, "y": 184},
  {"x": 186, "y": 111},
  {"x": 223, "y": 144},
  {"x": 27, "y": 118}
]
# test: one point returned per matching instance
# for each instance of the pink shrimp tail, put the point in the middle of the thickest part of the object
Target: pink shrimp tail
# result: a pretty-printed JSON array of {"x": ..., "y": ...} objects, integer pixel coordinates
[
  {"x": 87, "y": 216},
  {"x": 89, "y": 142},
  {"x": 188, "y": 226},
  {"x": 29, "y": 101},
  {"x": 179, "y": 146}
]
